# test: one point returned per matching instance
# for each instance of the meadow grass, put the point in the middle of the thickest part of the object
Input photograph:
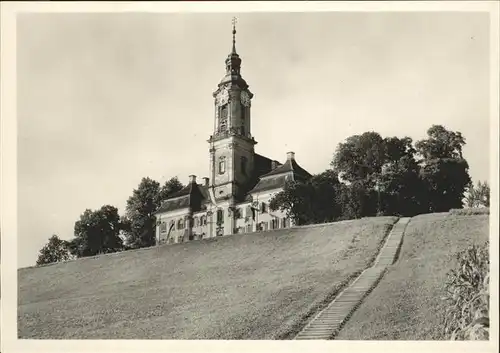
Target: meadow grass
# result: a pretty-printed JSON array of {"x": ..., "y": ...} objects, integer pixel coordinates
[
  {"x": 408, "y": 302},
  {"x": 251, "y": 286},
  {"x": 470, "y": 211}
]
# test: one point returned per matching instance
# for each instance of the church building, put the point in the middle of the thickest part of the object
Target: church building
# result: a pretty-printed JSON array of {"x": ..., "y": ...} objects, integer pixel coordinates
[{"x": 235, "y": 197}]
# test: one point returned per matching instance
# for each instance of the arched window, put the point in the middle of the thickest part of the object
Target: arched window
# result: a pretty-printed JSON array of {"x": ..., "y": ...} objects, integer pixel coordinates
[
  {"x": 244, "y": 165},
  {"x": 203, "y": 220},
  {"x": 243, "y": 113},
  {"x": 222, "y": 165},
  {"x": 223, "y": 118},
  {"x": 243, "y": 118},
  {"x": 220, "y": 216},
  {"x": 263, "y": 207},
  {"x": 180, "y": 224}
]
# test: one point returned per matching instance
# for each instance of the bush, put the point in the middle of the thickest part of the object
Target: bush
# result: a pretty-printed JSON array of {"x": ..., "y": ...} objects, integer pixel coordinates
[
  {"x": 467, "y": 293},
  {"x": 470, "y": 211}
]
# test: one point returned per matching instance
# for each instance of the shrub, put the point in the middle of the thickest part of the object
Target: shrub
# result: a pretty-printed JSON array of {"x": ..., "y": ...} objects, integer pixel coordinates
[
  {"x": 467, "y": 295},
  {"x": 470, "y": 211}
]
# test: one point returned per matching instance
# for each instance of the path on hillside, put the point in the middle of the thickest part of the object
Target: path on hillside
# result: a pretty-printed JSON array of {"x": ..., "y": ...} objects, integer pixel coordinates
[{"x": 329, "y": 321}]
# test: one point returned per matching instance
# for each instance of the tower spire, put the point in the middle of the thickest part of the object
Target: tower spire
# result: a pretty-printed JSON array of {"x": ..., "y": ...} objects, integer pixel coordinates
[
  {"x": 233, "y": 64},
  {"x": 234, "y": 34}
]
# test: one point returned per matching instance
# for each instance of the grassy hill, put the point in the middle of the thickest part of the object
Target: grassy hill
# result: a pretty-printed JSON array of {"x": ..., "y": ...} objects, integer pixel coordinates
[
  {"x": 406, "y": 304},
  {"x": 253, "y": 286}
]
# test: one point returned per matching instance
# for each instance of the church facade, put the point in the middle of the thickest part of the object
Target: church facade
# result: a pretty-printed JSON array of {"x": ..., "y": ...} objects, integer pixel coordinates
[{"x": 235, "y": 197}]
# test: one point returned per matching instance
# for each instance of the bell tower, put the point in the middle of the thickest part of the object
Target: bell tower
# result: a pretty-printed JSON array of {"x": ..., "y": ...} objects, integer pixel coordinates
[{"x": 231, "y": 144}]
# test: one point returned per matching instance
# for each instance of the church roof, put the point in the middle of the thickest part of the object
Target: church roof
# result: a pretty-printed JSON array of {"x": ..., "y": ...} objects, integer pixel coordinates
[
  {"x": 278, "y": 177},
  {"x": 290, "y": 166},
  {"x": 191, "y": 195},
  {"x": 263, "y": 165},
  {"x": 271, "y": 183},
  {"x": 268, "y": 175},
  {"x": 174, "y": 204}
]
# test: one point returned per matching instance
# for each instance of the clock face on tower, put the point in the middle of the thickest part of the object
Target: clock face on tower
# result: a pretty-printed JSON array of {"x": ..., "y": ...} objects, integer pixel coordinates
[
  {"x": 223, "y": 97},
  {"x": 245, "y": 98}
]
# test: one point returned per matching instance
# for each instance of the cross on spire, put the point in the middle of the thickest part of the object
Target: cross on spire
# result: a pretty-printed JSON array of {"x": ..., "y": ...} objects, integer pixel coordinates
[{"x": 234, "y": 21}]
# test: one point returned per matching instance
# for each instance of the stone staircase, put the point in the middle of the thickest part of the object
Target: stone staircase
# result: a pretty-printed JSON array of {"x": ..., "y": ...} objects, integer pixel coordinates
[{"x": 329, "y": 321}]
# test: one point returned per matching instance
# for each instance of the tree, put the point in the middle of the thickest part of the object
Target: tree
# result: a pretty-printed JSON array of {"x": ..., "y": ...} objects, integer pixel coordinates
[
  {"x": 445, "y": 181},
  {"x": 144, "y": 201},
  {"x": 325, "y": 189},
  {"x": 397, "y": 148},
  {"x": 170, "y": 187},
  {"x": 441, "y": 143},
  {"x": 97, "y": 232},
  {"x": 444, "y": 172},
  {"x": 402, "y": 191},
  {"x": 140, "y": 222},
  {"x": 399, "y": 183},
  {"x": 313, "y": 201},
  {"x": 360, "y": 157},
  {"x": 295, "y": 201},
  {"x": 478, "y": 196},
  {"x": 358, "y": 199},
  {"x": 56, "y": 250}
]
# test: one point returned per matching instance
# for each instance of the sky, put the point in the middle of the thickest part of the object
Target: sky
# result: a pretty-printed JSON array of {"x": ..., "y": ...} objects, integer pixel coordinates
[{"x": 104, "y": 100}]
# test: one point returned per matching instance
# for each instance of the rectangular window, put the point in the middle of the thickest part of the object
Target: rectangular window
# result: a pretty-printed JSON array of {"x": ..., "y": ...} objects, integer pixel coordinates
[
  {"x": 244, "y": 165},
  {"x": 222, "y": 167},
  {"x": 163, "y": 227}
]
